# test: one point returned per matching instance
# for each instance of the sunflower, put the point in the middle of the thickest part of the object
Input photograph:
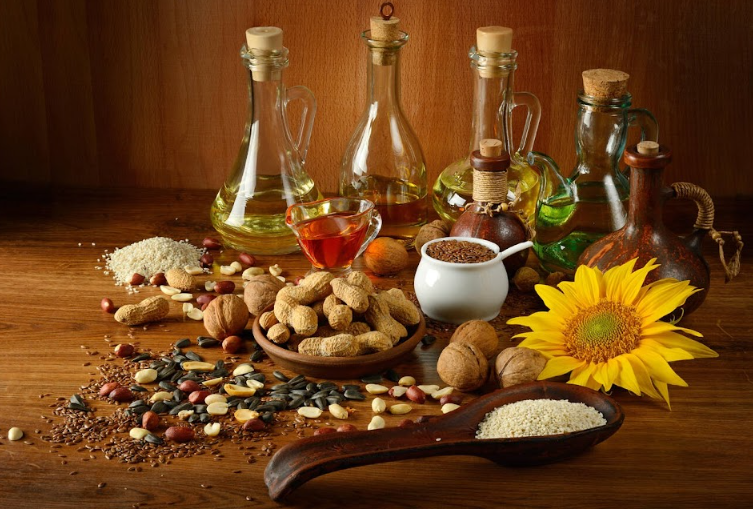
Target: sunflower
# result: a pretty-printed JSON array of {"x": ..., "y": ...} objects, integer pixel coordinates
[{"x": 604, "y": 329}]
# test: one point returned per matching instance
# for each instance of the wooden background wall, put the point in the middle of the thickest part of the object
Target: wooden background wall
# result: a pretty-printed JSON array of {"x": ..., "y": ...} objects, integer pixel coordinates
[{"x": 151, "y": 93}]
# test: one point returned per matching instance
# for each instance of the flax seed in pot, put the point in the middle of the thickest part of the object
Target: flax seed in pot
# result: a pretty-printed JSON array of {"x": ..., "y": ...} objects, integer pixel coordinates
[{"x": 460, "y": 251}]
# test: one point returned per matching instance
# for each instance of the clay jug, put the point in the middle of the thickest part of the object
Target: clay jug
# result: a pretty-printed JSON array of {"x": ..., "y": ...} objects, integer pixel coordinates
[
  {"x": 644, "y": 235},
  {"x": 489, "y": 216}
]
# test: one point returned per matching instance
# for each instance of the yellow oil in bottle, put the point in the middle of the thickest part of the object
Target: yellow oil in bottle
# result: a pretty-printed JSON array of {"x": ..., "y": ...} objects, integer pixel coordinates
[
  {"x": 453, "y": 190},
  {"x": 256, "y": 224},
  {"x": 401, "y": 203}
]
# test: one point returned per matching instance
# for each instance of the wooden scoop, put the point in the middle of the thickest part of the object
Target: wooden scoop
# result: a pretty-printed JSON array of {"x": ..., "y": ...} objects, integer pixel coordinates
[{"x": 450, "y": 434}]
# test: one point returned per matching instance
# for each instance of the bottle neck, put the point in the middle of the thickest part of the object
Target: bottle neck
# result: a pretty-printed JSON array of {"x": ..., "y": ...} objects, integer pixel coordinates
[
  {"x": 490, "y": 95},
  {"x": 265, "y": 100},
  {"x": 383, "y": 77},
  {"x": 646, "y": 197},
  {"x": 600, "y": 136}
]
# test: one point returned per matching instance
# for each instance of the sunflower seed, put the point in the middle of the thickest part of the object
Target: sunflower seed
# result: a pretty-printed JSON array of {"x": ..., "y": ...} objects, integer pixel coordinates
[
  {"x": 206, "y": 341},
  {"x": 280, "y": 376},
  {"x": 141, "y": 357},
  {"x": 182, "y": 343},
  {"x": 391, "y": 375},
  {"x": 137, "y": 388},
  {"x": 372, "y": 379},
  {"x": 154, "y": 439},
  {"x": 428, "y": 340},
  {"x": 354, "y": 395},
  {"x": 194, "y": 356},
  {"x": 256, "y": 356}
]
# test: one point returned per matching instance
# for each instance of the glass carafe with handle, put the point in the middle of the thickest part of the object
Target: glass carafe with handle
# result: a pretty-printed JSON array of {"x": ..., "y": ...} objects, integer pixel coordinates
[
  {"x": 494, "y": 99},
  {"x": 573, "y": 212},
  {"x": 268, "y": 174},
  {"x": 384, "y": 162}
]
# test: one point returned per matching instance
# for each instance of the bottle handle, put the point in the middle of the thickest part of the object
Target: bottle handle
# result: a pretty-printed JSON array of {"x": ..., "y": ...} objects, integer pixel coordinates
[
  {"x": 533, "y": 116},
  {"x": 303, "y": 138},
  {"x": 645, "y": 120},
  {"x": 375, "y": 224},
  {"x": 705, "y": 223}
]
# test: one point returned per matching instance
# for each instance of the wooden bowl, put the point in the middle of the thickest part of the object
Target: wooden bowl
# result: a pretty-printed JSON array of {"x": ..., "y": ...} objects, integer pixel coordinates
[{"x": 339, "y": 368}]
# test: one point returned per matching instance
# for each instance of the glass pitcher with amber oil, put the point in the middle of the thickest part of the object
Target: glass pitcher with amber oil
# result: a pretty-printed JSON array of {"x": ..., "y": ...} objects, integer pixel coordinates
[
  {"x": 268, "y": 175},
  {"x": 494, "y": 64},
  {"x": 574, "y": 212},
  {"x": 384, "y": 162}
]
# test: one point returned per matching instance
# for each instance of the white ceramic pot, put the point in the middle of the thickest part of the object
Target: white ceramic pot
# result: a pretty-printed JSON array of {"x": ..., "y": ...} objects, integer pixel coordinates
[{"x": 458, "y": 292}]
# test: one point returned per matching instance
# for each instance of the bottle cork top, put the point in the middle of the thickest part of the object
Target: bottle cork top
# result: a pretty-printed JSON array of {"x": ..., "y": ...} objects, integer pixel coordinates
[
  {"x": 605, "y": 83},
  {"x": 385, "y": 29},
  {"x": 264, "y": 38},
  {"x": 491, "y": 147},
  {"x": 648, "y": 148},
  {"x": 494, "y": 39}
]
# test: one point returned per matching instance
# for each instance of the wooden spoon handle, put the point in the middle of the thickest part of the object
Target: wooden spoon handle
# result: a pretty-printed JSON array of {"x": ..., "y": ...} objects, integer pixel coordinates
[{"x": 301, "y": 461}]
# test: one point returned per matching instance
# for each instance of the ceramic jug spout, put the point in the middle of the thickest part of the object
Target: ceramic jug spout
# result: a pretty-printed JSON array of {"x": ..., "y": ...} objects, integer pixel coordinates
[{"x": 515, "y": 249}]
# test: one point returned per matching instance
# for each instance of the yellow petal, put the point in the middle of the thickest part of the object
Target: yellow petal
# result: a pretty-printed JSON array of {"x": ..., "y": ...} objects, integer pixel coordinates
[
  {"x": 601, "y": 375},
  {"x": 662, "y": 298},
  {"x": 670, "y": 354},
  {"x": 674, "y": 340},
  {"x": 627, "y": 377},
  {"x": 642, "y": 376},
  {"x": 664, "y": 391},
  {"x": 588, "y": 283},
  {"x": 557, "y": 366},
  {"x": 656, "y": 328},
  {"x": 658, "y": 367},
  {"x": 613, "y": 279},
  {"x": 580, "y": 375},
  {"x": 633, "y": 282},
  {"x": 547, "y": 336},
  {"x": 542, "y": 320},
  {"x": 555, "y": 300},
  {"x": 574, "y": 294}
]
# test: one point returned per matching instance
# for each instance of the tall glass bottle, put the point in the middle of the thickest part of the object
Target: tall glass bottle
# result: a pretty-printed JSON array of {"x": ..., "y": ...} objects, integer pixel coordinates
[
  {"x": 384, "y": 162},
  {"x": 574, "y": 212},
  {"x": 268, "y": 175},
  {"x": 494, "y": 64}
]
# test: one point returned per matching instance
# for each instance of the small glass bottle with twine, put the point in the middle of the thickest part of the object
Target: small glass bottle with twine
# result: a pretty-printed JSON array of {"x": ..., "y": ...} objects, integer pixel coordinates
[{"x": 489, "y": 216}]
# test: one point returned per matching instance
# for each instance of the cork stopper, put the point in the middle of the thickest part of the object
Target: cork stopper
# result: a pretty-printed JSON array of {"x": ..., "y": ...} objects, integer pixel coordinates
[
  {"x": 384, "y": 28},
  {"x": 648, "y": 148},
  {"x": 605, "y": 83},
  {"x": 494, "y": 39},
  {"x": 491, "y": 148},
  {"x": 264, "y": 39}
]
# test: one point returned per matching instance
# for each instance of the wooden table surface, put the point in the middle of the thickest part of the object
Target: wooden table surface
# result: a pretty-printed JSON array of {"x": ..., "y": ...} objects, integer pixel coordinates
[{"x": 696, "y": 455}]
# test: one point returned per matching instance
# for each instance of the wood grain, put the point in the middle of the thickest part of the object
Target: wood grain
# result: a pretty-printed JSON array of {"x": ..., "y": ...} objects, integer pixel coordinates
[
  {"x": 152, "y": 94},
  {"x": 696, "y": 455}
]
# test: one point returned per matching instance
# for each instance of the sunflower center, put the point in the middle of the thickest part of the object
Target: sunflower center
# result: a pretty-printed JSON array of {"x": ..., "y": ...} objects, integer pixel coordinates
[{"x": 603, "y": 331}]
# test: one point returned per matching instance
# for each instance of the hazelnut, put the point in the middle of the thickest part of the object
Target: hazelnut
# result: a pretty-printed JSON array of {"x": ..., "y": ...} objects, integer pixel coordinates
[
  {"x": 198, "y": 397},
  {"x": 121, "y": 394},
  {"x": 555, "y": 278},
  {"x": 206, "y": 260},
  {"x": 254, "y": 425},
  {"x": 386, "y": 256},
  {"x": 179, "y": 434},
  {"x": 479, "y": 333},
  {"x": 526, "y": 279},
  {"x": 232, "y": 344},
  {"x": 223, "y": 287},
  {"x": 136, "y": 279},
  {"x": 434, "y": 230},
  {"x": 225, "y": 316},
  {"x": 517, "y": 365},
  {"x": 189, "y": 386},
  {"x": 463, "y": 366},
  {"x": 415, "y": 394}
]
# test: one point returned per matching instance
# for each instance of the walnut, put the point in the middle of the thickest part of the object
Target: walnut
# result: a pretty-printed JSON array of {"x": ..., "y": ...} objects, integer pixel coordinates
[
  {"x": 386, "y": 256},
  {"x": 260, "y": 292},
  {"x": 225, "y": 316},
  {"x": 463, "y": 366},
  {"x": 434, "y": 230},
  {"x": 518, "y": 365},
  {"x": 478, "y": 333}
]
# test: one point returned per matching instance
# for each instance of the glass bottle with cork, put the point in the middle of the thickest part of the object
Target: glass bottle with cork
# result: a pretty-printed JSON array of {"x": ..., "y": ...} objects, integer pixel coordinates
[
  {"x": 574, "y": 212},
  {"x": 384, "y": 161},
  {"x": 494, "y": 63},
  {"x": 489, "y": 216},
  {"x": 268, "y": 174}
]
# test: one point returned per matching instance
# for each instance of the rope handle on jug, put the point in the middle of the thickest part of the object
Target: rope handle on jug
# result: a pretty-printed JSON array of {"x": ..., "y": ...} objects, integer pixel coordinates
[{"x": 705, "y": 221}]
